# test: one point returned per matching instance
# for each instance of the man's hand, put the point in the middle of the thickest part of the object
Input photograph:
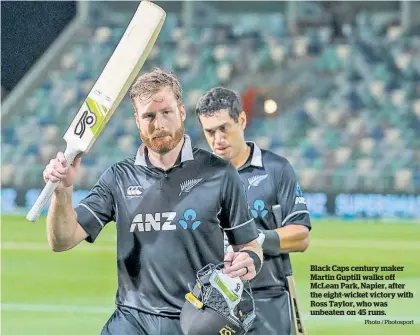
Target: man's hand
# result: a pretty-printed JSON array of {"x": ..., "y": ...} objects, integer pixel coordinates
[
  {"x": 239, "y": 264},
  {"x": 58, "y": 171}
]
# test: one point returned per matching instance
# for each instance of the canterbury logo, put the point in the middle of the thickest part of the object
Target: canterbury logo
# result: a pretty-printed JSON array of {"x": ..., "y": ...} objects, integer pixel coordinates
[
  {"x": 187, "y": 185},
  {"x": 256, "y": 180},
  {"x": 134, "y": 191},
  {"x": 87, "y": 119}
]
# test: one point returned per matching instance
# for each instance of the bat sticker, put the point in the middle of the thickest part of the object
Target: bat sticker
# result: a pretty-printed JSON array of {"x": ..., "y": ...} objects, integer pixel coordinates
[{"x": 87, "y": 119}]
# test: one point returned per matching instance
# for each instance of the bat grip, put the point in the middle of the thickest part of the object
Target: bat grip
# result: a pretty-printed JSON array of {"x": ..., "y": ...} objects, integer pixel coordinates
[{"x": 46, "y": 194}]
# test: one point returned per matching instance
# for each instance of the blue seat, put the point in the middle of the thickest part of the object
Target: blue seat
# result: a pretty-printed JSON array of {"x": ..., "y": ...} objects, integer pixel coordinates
[{"x": 32, "y": 149}]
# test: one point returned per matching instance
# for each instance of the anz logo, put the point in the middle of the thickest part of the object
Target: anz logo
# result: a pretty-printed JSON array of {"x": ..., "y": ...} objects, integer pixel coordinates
[
  {"x": 189, "y": 220},
  {"x": 259, "y": 209},
  {"x": 164, "y": 221},
  {"x": 157, "y": 221}
]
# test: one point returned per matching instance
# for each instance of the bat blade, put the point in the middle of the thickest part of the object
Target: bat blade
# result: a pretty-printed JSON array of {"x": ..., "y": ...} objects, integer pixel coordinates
[
  {"x": 286, "y": 265},
  {"x": 117, "y": 76},
  {"x": 297, "y": 320},
  {"x": 109, "y": 90}
]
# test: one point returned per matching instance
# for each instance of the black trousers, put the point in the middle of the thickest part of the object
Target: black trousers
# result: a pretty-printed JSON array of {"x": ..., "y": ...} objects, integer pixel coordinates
[
  {"x": 272, "y": 316},
  {"x": 129, "y": 321}
]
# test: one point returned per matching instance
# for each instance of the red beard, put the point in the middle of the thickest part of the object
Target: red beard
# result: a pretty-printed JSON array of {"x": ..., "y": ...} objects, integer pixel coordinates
[{"x": 162, "y": 142}]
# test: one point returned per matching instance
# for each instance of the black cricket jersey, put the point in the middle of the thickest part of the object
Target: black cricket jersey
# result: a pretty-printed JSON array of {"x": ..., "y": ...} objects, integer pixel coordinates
[
  {"x": 269, "y": 180},
  {"x": 170, "y": 224}
]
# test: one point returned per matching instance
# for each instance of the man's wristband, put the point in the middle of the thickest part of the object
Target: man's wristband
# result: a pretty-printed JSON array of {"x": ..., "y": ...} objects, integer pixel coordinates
[
  {"x": 255, "y": 258},
  {"x": 271, "y": 244}
]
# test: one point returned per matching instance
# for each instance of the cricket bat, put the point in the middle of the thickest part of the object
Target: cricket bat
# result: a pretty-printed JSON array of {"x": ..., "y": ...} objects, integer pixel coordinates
[
  {"x": 109, "y": 90},
  {"x": 296, "y": 317}
]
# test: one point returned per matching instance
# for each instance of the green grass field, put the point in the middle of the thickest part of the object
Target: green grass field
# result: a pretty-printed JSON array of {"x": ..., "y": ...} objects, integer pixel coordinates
[{"x": 73, "y": 292}]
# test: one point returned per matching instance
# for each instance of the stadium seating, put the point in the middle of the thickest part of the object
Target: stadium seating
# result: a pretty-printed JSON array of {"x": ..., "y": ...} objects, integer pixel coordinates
[
  {"x": 358, "y": 125},
  {"x": 368, "y": 126}
]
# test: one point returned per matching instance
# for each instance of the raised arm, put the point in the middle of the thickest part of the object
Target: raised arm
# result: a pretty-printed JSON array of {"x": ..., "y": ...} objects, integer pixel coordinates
[
  {"x": 63, "y": 230},
  {"x": 67, "y": 227}
]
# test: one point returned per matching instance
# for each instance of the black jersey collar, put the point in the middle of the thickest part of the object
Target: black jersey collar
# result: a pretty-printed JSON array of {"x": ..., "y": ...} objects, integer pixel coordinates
[
  {"x": 256, "y": 155},
  {"x": 255, "y": 158}
]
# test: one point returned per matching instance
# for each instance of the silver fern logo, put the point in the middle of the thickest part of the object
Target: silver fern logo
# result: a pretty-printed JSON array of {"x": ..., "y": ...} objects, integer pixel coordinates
[
  {"x": 256, "y": 180},
  {"x": 187, "y": 185}
]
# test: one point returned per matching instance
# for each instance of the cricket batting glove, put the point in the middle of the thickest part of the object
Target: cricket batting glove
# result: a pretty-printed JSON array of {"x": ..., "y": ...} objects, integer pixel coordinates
[{"x": 217, "y": 305}]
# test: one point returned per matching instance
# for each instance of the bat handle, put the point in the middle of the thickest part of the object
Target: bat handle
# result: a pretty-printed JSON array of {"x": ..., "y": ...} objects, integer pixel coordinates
[{"x": 46, "y": 194}]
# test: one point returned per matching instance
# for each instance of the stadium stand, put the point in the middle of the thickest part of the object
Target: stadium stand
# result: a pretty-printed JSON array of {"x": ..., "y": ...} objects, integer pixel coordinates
[{"x": 355, "y": 125}]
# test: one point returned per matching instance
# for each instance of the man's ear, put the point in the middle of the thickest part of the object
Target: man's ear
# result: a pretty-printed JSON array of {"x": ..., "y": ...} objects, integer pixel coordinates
[
  {"x": 182, "y": 112},
  {"x": 242, "y": 120},
  {"x": 137, "y": 120}
]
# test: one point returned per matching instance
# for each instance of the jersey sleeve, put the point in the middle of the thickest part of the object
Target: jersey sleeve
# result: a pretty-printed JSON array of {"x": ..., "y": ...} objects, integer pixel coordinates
[
  {"x": 235, "y": 216},
  {"x": 291, "y": 200},
  {"x": 98, "y": 208}
]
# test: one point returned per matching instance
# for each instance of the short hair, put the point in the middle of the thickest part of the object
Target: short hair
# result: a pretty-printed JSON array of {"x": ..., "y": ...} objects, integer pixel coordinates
[
  {"x": 219, "y": 98},
  {"x": 151, "y": 82}
]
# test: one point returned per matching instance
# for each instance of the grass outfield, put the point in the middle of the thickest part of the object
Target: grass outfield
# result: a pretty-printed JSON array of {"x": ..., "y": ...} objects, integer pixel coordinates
[{"x": 73, "y": 292}]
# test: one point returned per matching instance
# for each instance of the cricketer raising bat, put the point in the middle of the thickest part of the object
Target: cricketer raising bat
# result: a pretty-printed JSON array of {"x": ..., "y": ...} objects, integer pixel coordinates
[
  {"x": 296, "y": 320},
  {"x": 109, "y": 90}
]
